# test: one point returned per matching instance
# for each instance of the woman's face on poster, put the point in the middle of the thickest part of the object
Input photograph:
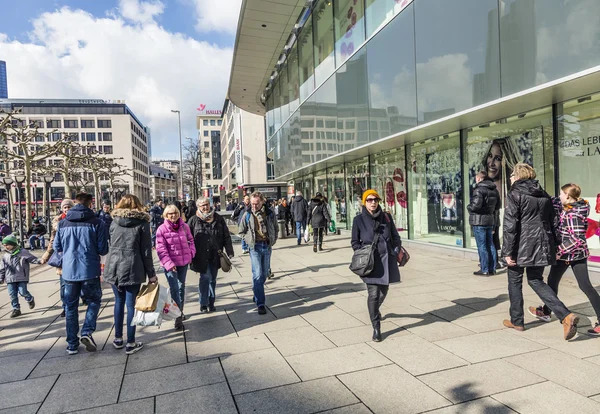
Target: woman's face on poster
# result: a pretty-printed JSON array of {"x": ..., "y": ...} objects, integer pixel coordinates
[{"x": 494, "y": 162}]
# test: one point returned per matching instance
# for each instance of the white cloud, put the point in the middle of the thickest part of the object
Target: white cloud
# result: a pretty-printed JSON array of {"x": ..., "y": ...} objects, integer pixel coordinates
[
  {"x": 140, "y": 12},
  {"x": 73, "y": 54},
  {"x": 217, "y": 15}
]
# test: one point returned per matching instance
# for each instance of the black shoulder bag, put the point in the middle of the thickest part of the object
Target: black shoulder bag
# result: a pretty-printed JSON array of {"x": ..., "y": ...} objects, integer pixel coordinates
[{"x": 363, "y": 259}]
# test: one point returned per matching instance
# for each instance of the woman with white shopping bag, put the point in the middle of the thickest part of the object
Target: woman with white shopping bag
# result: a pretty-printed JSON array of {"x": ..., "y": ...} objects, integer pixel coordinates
[{"x": 128, "y": 264}]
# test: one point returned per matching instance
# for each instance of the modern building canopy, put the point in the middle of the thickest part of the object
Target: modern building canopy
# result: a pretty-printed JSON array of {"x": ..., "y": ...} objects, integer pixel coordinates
[{"x": 264, "y": 29}]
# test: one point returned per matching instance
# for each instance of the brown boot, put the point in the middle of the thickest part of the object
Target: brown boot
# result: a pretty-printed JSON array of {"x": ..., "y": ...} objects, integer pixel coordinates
[
  {"x": 509, "y": 324},
  {"x": 570, "y": 325}
]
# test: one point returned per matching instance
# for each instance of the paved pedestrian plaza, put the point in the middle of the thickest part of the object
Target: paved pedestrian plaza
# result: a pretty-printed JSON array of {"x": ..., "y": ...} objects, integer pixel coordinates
[{"x": 444, "y": 349}]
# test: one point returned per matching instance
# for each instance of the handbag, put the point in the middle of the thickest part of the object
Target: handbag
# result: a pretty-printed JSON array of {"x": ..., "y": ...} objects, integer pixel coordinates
[
  {"x": 403, "y": 257},
  {"x": 363, "y": 259},
  {"x": 226, "y": 264},
  {"x": 56, "y": 259},
  {"x": 147, "y": 298}
]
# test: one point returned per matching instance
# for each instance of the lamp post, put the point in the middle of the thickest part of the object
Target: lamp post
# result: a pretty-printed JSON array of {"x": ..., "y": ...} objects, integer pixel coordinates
[
  {"x": 47, "y": 181},
  {"x": 8, "y": 183},
  {"x": 20, "y": 179},
  {"x": 180, "y": 152}
]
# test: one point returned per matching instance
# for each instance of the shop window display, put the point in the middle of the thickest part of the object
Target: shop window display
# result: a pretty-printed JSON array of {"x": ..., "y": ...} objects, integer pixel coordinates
[
  {"x": 579, "y": 158},
  {"x": 337, "y": 196},
  {"x": 435, "y": 190},
  {"x": 357, "y": 181},
  {"x": 388, "y": 177}
]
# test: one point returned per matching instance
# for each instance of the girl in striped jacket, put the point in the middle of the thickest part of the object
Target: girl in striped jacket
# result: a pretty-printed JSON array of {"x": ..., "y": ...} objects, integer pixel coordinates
[{"x": 572, "y": 212}]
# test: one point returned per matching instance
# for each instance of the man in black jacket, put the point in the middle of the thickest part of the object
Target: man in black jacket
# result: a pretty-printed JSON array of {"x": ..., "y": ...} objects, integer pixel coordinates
[
  {"x": 299, "y": 211},
  {"x": 37, "y": 232},
  {"x": 483, "y": 210}
]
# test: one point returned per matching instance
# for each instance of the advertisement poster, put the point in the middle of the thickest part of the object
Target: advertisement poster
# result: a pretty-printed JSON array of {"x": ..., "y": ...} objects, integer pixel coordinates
[{"x": 443, "y": 180}]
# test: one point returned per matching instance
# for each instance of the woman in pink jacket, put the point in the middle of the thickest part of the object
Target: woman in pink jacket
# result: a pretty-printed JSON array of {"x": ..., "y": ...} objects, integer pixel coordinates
[{"x": 175, "y": 248}]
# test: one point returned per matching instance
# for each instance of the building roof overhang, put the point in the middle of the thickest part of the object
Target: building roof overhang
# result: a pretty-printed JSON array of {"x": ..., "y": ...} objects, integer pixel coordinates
[{"x": 264, "y": 28}]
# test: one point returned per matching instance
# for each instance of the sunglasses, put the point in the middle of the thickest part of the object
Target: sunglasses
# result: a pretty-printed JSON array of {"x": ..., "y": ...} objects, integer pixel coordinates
[{"x": 372, "y": 200}]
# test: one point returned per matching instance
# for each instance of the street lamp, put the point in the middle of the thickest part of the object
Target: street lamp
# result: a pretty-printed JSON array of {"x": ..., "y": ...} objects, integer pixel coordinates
[
  {"x": 180, "y": 152},
  {"x": 20, "y": 179},
  {"x": 8, "y": 183},
  {"x": 47, "y": 181}
]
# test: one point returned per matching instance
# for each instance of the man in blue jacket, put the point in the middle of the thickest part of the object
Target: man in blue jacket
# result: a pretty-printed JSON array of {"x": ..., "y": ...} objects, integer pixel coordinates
[{"x": 82, "y": 239}]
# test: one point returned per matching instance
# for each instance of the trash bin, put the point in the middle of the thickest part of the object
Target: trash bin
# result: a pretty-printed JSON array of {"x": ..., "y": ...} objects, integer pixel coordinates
[{"x": 282, "y": 232}]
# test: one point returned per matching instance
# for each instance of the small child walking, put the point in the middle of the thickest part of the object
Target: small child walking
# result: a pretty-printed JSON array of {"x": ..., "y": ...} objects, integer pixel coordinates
[{"x": 14, "y": 269}]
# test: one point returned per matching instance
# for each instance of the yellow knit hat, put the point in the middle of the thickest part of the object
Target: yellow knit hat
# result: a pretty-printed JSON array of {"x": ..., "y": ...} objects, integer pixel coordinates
[{"x": 367, "y": 193}]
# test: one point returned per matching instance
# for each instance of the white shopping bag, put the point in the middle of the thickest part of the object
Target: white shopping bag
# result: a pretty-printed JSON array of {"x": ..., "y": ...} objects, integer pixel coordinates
[
  {"x": 307, "y": 235},
  {"x": 153, "y": 318},
  {"x": 170, "y": 311}
]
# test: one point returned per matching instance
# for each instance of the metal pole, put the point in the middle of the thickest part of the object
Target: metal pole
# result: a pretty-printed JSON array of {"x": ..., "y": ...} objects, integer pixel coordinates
[
  {"x": 48, "y": 198},
  {"x": 180, "y": 156},
  {"x": 20, "y": 216},
  {"x": 8, "y": 187}
]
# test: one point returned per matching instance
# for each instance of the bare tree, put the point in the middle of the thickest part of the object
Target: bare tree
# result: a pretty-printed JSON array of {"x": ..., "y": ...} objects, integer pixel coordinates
[{"x": 192, "y": 167}]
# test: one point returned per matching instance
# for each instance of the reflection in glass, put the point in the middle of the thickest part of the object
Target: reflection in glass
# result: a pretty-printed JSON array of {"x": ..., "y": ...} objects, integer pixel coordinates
[
  {"x": 323, "y": 40},
  {"x": 306, "y": 60},
  {"x": 337, "y": 196},
  {"x": 357, "y": 181},
  {"x": 277, "y": 106},
  {"x": 325, "y": 143},
  {"x": 284, "y": 98},
  {"x": 349, "y": 28},
  {"x": 541, "y": 42},
  {"x": 379, "y": 12},
  {"x": 435, "y": 190},
  {"x": 270, "y": 116},
  {"x": 293, "y": 79},
  {"x": 392, "y": 82},
  {"x": 457, "y": 54},
  {"x": 352, "y": 103}
]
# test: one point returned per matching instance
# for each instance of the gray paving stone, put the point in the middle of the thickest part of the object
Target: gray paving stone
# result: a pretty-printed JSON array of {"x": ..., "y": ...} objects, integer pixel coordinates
[
  {"x": 432, "y": 328},
  {"x": 257, "y": 327},
  {"x": 547, "y": 398},
  {"x": 206, "y": 329},
  {"x": 390, "y": 389},
  {"x": 336, "y": 361},
  {"x": 95, "y": 387},
  {"x": 361, "y": 334},
  {"x": 560, "y": 368},
  {"x": 596, "y": 398},
  {"x": 145, "y": 406},
  {"x": 208, "y": 399},
  {"x": 485, "y": 405},
  {"x": 479, "y": 380},
  {"x": 480, "y": 324},
  {"x": 350, "y": 409},
  {"x": 416, "y": 355},
  {"x": 166, "y": 342},
  {"x": 299, "y": 341},
  {"x": 226, "y": 347},
  {"x": 27, "y": 347},
  {"x": 18, "y": 367},
  {"x": 305, "y": 397},
  {"x": 489, "y": 345},
  {"x": 331, "y": 319},
  {"x": 26, "y": 392},
  {"x": 24, "y": 409},
  {"x": 257, "y": 370},
  {"x": 80, "y": 362},
  {"x": 165, "y": 380}
]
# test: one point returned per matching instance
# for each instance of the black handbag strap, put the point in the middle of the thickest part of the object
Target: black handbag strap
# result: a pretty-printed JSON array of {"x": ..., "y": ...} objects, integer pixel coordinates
[{"x": 376, "y": 238}]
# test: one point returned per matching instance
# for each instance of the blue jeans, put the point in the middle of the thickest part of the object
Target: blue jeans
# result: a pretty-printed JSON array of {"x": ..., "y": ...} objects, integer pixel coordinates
[
  {"x": 62, "y": 293},
  {"x": 32, "y": 240},
  {"x": 300, "y": 226},
  {"x": 260, "y": 259},
  {"x": 177, "y": 284},
  {"x": 125, "y": 295},
  {"x": 488, "y": 256},
  {"x": 16, "y": 289},
  {"x": 207, "y": 286},
  {"x": 91, "y": 291},
  {"x": 244, "y": 245}
]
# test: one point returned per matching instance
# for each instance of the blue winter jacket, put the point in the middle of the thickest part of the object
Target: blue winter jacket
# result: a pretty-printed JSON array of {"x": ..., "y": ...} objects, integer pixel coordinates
[{"x": 83, "y": 238}]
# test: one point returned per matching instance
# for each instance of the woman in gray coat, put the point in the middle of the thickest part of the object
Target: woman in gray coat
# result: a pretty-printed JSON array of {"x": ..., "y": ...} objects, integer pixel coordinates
[
  {"x": 366, "y": 226},
  {"x": 128, "y": 263}
]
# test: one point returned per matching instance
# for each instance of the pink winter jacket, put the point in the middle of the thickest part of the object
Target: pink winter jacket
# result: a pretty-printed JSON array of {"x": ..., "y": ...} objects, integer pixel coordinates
[{"x": 174, "y": 247}]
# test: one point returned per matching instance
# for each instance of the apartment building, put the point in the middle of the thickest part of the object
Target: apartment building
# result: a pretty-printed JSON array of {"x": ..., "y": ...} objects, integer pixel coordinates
[
  {"x": 163, "y": 183},
  {"x": 209, "y": 137}
]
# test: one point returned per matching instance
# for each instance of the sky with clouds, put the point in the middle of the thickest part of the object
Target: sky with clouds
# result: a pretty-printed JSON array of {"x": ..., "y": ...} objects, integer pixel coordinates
[{"x": 158, "y": 55}]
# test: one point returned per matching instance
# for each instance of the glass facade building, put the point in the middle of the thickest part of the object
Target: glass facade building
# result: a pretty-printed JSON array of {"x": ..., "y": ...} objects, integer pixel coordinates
[
  {"x": 3, "y": 80},
  {"x": 379, "y": 94}
]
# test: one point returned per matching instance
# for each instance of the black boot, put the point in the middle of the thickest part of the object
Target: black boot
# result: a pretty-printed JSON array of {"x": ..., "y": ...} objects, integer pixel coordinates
[
  {"x": 320, "y": 247},
  {"x": 376, "y": 333},
  {"x": 315, "y": 247}
]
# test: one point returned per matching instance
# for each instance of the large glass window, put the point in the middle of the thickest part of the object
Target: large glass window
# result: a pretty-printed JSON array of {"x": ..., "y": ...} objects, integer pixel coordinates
[
  {"x": 323, "y": 40},
  {"x": 320, "y": 185},
  {"x": 337, "y": 195},
  {"x": 435, "y": 190},
  {"x": 495, "y": 148},
  {"x": 352, "y": 102},
  {"x": 277, "y": 106},
  {"x": 388, "y": 178},
  {"x": 306, "y": 60},
  {"x": 579, "y": 156},
  {"x": 349, "y": 28},
  {"x": 270, "y": 116},
  {"x": 357, "y": 181},
  {"x": 542, "y": 41},
  {"x": 392, "y": 82},
  {"x": 284, "y": 98},
  {"x": 325, "y": 143},
  {"x": 293, "y": 87},
  {"x": 457, "y": 55},
  {"x": 379, "y": 12}
]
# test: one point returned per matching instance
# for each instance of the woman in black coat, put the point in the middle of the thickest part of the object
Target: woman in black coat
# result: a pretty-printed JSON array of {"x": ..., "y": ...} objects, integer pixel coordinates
[
  {"x": 318, "y": 217},
  {"x": 530, "y": 238},
  {"x": 211, "y": 235},
  {"x": 128, "y": 264},
  {"x": 372, "y": 221}
]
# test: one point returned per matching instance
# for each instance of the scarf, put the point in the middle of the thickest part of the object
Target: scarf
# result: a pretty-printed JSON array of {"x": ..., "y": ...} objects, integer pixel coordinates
[
  {"x": 16, "y": 251},
  {"x": 208, "y": 217},
  {"x": 175, "y": 226},
  {"x": 260, "y": 216}
]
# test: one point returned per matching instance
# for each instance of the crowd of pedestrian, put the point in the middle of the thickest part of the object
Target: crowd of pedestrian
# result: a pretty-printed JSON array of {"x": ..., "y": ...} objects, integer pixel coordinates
[{"x": 538, "y": 231}]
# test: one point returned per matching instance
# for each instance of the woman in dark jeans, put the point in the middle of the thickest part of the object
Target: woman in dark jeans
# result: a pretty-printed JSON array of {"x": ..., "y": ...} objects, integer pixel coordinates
[
  {"x": 573, "y": 251},
  {"x": 372, "y": 221},
  {"x": 128, "y": 263},
  {"x": 529, "y": 246}
]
